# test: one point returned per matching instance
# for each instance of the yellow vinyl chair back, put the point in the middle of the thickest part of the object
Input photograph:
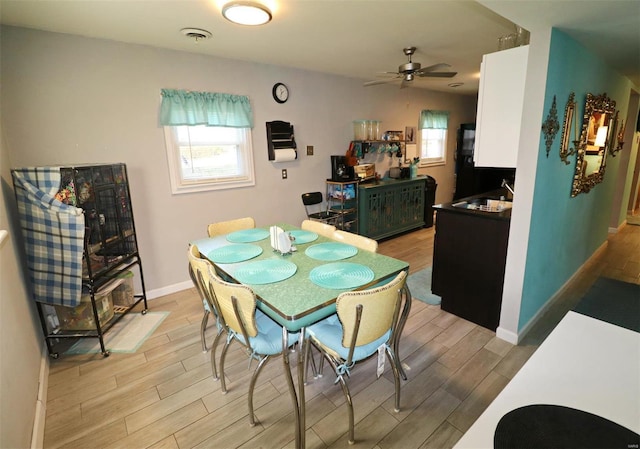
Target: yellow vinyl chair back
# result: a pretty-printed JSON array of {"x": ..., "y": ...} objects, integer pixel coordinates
[
  {"x": 380, "y": 307},
  {"x": 199, "y": 271},
  {"x": 359, "y": 241},
  {"x": 245, "y": 299},
  {"x": 318, "y": 227},
  {"x": 199, "y": 267},
  {"x": 225, "y": 227}
]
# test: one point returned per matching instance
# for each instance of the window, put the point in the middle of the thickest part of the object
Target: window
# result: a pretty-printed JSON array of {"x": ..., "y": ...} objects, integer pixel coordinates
[
  {"x": 209, "y": 158},
  {"x": 433, "y": 137},
  {"x": 208, "y": 139}
]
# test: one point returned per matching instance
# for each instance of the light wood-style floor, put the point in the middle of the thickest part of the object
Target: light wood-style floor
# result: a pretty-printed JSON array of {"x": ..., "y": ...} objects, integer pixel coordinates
[{"x": 164, "y": 396}]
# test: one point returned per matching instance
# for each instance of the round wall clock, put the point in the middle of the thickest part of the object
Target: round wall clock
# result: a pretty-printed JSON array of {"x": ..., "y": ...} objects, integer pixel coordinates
[{"x": 280, "y": 92}]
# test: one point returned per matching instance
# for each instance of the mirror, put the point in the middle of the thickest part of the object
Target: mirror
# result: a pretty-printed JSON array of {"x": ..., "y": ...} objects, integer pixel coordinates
[{"x": 593, "y": 144}]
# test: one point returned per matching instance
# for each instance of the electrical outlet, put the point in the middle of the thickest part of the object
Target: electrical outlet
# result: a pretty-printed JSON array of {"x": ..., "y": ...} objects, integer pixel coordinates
[
  {"x": 309, "y": 150},
  {"x": 284, "y": 173}
]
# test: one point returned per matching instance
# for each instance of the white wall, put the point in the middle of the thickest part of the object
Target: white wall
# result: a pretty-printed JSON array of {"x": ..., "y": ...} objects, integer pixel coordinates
[
  {"x": 525, "y": 185},
  {"x": 20, "y": 334},
  {"x": 70, "y": 100}
]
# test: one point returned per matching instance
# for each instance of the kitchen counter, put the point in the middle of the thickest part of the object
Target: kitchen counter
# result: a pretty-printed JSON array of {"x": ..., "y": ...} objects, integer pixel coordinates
[
  {"x": 469, "y": 257},
  {"x": 494, "y": 194},
  {"x": 388, "y": 182}
]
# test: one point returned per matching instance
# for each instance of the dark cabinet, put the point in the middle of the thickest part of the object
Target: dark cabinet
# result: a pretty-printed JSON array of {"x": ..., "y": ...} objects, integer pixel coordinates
[
  {"x": 469, "y": 255},
  {"x": 391, "y": 207}
]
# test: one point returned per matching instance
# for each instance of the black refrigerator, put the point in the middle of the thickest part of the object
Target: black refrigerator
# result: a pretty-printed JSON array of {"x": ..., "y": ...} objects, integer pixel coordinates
[{"x": 471, "y": 180}]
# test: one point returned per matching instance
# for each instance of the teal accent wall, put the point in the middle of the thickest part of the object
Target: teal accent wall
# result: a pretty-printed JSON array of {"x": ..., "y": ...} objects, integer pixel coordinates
[{"x": 566, "y": 231}]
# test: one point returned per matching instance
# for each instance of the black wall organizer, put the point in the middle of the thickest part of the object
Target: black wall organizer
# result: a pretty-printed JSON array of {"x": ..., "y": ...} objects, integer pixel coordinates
[{"x": 280, "y": 136}]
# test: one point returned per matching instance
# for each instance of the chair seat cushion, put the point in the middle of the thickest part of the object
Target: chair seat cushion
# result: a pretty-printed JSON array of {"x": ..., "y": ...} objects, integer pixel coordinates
[
  {"x": 328, "y": 333},
  {"x": 269, "y": 338}
]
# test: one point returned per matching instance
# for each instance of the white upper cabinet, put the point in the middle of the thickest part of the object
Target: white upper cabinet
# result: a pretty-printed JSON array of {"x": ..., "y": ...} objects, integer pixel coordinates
[{"x": 500, "y": 99}]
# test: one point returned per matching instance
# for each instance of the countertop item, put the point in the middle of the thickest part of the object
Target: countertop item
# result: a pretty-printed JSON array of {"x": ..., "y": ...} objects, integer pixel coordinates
[{"x": 494, "y": 195}]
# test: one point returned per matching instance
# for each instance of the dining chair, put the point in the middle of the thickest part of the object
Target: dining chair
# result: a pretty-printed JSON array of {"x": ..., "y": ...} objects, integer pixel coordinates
[
  {"x": 214, "y": 229},
  {"x": 318, "y": 227},
  {"x": 198, "y": 270},
  {"x": 225, "y": 227},
  {"x": 368, "y": 322},
  {"x": 317, "y": 210},
  {"x": 359, "y": 241},
  {"x": 260, "y": 335}
]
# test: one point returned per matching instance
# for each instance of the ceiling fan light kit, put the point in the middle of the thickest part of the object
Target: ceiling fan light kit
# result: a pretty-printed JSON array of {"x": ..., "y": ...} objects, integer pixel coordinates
[
  {"x": 246, "y": 13},
  {"x": 408, "y": 71}
]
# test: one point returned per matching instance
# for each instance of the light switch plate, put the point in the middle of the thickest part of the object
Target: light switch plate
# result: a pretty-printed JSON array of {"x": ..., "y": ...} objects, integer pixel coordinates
[
  {"x": 309, "y": 150},
  {"x": 284, "y": 173}
]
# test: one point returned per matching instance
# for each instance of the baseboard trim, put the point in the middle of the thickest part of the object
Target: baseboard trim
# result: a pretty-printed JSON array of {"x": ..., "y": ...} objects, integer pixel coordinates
[
  {"x": 37, "y": 435},
  {"x": 532, "y": 322},
  {"x": 158, "y": 292},
  {"x": 508, "y": 336}
]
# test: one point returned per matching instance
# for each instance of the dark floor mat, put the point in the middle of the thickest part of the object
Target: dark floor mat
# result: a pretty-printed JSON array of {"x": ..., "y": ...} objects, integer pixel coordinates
[{"x": 613, "y": 301}]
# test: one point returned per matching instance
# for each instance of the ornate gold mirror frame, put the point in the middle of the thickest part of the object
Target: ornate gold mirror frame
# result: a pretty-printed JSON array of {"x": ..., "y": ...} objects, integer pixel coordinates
[
  {"x": 569, "y": 112},
  {"x": 593, "y": 146}
]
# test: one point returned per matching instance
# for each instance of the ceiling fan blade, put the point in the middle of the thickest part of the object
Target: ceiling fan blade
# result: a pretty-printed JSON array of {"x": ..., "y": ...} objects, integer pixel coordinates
[
  {"x": 436, "y": 74},
  {"x": 374, "y": 82},
  {"x": 433, "y": 67}
]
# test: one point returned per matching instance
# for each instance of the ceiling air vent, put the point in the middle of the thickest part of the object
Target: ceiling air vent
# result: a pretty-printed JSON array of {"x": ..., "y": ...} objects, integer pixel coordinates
[{"x": 196, "y": 34}]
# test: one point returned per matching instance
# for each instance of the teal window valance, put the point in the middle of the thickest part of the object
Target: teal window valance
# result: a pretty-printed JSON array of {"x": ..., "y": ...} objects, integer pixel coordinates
[
  {"x": 185, "y": 108},
  {"x": 434, "y": 119}
]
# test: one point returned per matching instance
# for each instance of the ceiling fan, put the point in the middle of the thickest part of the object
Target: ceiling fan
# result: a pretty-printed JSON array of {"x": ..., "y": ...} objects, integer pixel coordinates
[{"x": 407, "y": 72}]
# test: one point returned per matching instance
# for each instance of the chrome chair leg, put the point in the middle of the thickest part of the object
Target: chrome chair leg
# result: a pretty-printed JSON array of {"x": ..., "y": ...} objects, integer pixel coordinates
[
  {"x": 223, "y": 384},
  {"x": 203, "y": 327},
  {"x": 308, "y": 354},
  {"x": 406, "y": 309},
  {"x": 396, "y": 376},
  {"x": 347, "y": 397},
  {"x": 213, "y": 354},
  {"x": 252, "y": 384}
]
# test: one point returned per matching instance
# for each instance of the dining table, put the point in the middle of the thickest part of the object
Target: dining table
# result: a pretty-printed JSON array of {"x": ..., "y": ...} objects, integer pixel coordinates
[{"x": 299, "y": 288}]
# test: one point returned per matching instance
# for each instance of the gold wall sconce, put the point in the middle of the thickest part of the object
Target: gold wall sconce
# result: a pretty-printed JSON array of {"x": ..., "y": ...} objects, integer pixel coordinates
[
  {"x": 619, "y": 139},
  {"x": 569, "y": 114}
]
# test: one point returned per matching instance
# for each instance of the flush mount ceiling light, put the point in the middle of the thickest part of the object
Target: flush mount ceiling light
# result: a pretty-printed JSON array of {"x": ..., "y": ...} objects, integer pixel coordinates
[
  {"x": 246, "y": 13},
  {"x": 196, "y": 34}
]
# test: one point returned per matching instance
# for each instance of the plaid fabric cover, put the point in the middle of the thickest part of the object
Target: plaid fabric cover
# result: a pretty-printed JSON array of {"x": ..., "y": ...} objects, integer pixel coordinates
[{"x": 54, "y": 235}]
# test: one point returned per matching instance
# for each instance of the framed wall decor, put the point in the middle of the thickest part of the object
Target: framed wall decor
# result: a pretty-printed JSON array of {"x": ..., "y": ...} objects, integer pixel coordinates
[{"x": 410, "y": 134}]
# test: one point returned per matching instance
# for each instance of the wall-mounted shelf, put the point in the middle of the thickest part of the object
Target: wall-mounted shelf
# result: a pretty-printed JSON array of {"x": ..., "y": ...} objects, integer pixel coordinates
[
  {"x": 381, "y": 146},
  {"x": 281, "y": 141}
]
